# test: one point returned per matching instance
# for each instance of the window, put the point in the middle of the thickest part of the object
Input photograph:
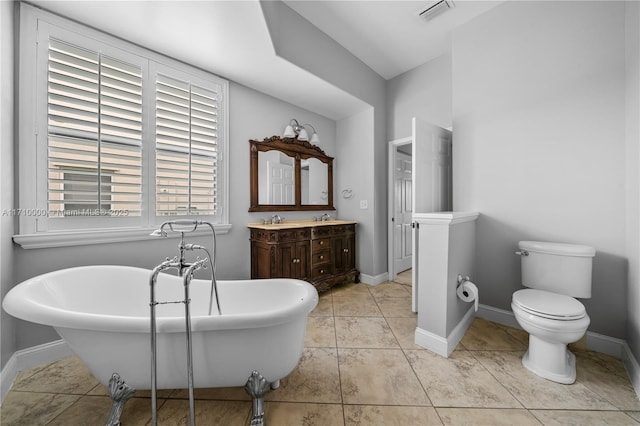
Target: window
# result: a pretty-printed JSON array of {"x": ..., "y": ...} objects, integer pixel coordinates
[{"x": 113, "y": 137}]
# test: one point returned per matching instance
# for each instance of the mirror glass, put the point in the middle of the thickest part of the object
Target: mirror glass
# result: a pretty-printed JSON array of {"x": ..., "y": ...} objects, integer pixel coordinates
[
  {"x": 276, "y": 177},
  {"x": 286, "y": 174},
  {"x": 313, "y": 182}
]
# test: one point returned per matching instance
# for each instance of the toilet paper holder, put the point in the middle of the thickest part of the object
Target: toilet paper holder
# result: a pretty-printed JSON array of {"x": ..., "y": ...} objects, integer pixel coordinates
[
  {"x": 467, "y": 291},
  {"x": 462, "y": 279}
]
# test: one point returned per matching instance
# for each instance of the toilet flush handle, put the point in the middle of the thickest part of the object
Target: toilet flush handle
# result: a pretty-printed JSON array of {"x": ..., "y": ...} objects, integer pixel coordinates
[{"x": 522, "y": 253}]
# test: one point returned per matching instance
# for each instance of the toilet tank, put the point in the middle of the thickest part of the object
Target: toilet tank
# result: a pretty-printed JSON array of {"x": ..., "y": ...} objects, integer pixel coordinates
[{"x": 556, "y": 267}]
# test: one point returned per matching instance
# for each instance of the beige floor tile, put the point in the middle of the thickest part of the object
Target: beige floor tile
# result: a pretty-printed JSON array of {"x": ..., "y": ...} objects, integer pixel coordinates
[
  {"x": 87, "y": 411},
  {"x": 175, "y": 412},
  {"x": 389, "y": 289},
  {"x": 404, "y": 277},
  {"x": 315, "y": 379},
  {"x": 356, "y": 305},
  {"x": 395, "y": 307},
  {"x": 324, "y": 307},
  {"x": 607, "y": 377},
  {"x": 301, "y": 414},
  {"x": 583, "y": 418},
  {"x": 321, "y": 332},
  {"x": 350, "y": 289},
  {"x": 535, "y": 392},
  {"x": 518, "y": 334},
  {"x": 33, "y": 408},
  {"x": 221, "y": 394},
  {"x": 370, "y": 415},
  {"x": 367, "y": 332},
  {"x": 484, "y": 335},
  {"x": 482, "y": 416},
  {"x": 379, "y": 377},
  {"x": 67, "y": 375},
  {"x": 405, "y": 331},
  {"x": 634, "y": 414},
  {"x": 101, "y": 390},
  {"x": 94, "y": 410},
  {"x": 459, "y": 381}
]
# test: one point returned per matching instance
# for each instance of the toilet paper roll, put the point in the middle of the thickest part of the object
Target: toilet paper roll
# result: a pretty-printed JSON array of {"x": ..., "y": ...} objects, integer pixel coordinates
[{"x": 468, "y": 292}]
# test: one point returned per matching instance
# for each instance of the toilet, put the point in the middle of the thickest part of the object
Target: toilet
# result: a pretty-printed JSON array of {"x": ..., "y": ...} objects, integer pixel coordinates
[{"x": 554, "y": 274}]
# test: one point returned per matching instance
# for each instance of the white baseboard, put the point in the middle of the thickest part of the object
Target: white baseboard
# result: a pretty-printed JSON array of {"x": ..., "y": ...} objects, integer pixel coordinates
[
  {"x": 374, "y": 280},
  {"x": 444, "y": 346},
  {"x": 498, "y": 315},
  {"x": 632, "y": 366},
  {"x": 29, "y": 358},
  {"x": 431, "y": 341}
]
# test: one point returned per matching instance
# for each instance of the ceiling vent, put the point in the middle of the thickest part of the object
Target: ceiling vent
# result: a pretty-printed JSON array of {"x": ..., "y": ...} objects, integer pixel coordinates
[{"x": 435, "y": 8}]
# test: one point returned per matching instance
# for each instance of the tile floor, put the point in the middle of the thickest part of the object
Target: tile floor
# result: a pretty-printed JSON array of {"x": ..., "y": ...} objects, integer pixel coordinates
[{"x": 360, "y": 367}]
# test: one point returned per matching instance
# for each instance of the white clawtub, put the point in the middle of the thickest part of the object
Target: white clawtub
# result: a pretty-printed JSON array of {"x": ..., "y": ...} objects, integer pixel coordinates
[{"x": 102, "y": 312}]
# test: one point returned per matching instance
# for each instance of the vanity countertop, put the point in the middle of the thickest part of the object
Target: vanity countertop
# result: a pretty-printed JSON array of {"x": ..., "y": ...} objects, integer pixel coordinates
[{"x": 288, "y": 224}]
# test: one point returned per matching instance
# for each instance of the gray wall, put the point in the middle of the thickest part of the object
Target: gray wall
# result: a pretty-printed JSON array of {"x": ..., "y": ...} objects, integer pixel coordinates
[
  {"x": 7, "y": 323},
  {"x": 539, "y": 141},
  {"x": 296, "y": 40},
  {"x": 632, "y": 15},
  {"x": 423, "y": 92},
  {"x": 539, "y": 119}
]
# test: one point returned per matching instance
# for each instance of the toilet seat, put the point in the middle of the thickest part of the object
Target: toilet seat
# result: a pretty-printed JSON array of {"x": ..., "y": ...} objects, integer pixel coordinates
[{"x": 549, "y": 305}]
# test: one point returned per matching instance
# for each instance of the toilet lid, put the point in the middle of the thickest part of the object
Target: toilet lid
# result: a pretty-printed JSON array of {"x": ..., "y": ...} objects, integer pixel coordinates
[{"x": 548, "y": 305}]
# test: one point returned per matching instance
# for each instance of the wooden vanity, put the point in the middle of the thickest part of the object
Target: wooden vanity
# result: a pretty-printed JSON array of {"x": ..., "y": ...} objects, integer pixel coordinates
[{"x": 322, "y": 253}]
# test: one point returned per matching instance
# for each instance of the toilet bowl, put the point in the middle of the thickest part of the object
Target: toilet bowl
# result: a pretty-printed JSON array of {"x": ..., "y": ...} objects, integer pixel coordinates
[
  {"x": 554, "y": 274},
  {"x": 552, "y": 321}
]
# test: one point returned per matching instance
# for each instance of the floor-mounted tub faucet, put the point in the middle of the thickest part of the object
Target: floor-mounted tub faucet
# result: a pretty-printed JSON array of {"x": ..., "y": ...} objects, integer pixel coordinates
[{"x": 186, "y": 271}]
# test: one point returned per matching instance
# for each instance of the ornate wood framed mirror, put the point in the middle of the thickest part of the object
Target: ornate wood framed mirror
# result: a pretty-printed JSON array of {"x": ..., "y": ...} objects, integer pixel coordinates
[{"x": 287, "y": 174}]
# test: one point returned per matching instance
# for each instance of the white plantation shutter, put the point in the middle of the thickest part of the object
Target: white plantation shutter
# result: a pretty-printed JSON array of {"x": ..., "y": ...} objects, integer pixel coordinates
[
  {"x": 186, "y": 147},
  {"x": 94, "y": 132},
  {"x": 114, "y": 138}
]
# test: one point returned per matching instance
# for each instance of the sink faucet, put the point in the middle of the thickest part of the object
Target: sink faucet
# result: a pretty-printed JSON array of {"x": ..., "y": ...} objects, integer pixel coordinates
[
  {"x": 325, "y": 216},
  {"x": 276, "y": 218}
]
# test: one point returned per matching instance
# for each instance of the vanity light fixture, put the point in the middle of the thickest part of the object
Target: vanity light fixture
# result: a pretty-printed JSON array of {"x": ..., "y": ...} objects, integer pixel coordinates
[{"x": 294, "y": 129}]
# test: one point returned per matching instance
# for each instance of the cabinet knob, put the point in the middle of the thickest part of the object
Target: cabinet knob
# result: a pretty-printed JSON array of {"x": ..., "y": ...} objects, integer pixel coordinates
[
  {"x": 322, "y": 271},
  {"x": 321, "y": 242},
  {"x": 321, "y": 257},
  {"x": 295, "y": 260},
  {"x": 346, "y": 250}
]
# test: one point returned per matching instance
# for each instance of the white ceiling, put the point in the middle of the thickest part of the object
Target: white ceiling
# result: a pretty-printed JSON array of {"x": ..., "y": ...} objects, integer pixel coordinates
[
  {"x": 230, "y": 39},
  {"x": 227, "y": 38},
  {"x": 389, "y": 36}
]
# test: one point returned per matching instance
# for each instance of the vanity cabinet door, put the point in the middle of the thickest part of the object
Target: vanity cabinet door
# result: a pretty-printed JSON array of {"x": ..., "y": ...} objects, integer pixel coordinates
[
  {"x": 293, "y": 260},
  {"x": 344, "y": 252}
]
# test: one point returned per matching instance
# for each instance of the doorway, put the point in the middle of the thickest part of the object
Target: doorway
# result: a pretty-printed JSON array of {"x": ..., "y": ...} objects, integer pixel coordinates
[
  {"x": 400, "y": 207},
  {"x": 429, "y": 190}
]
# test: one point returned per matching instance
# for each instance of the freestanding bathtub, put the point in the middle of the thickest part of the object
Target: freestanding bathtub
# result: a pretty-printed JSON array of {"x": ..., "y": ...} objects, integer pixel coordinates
[{"x": 102, "y": 312}]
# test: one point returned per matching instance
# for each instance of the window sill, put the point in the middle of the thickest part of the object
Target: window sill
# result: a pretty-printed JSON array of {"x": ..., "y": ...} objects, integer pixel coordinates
[{"x": 98, "y": 236}]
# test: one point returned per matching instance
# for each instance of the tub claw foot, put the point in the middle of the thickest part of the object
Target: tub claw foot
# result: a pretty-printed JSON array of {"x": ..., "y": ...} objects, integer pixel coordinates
[
  {"x": 257, "y": 386},
  {"x": 120, "y": 392}
]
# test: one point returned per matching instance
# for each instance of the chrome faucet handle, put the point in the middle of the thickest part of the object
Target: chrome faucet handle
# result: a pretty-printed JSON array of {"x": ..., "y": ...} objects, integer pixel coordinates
[{"x": 276, "y": 218}]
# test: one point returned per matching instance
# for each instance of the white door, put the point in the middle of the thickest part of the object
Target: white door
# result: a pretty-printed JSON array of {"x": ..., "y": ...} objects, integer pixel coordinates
[
  {"x": 403, "y": 245},
  {"x": 280, "y": 183},
  {"x": 432, "y": 181}
]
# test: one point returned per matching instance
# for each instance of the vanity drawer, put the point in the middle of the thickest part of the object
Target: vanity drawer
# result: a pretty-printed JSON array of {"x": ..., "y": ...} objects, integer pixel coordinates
[
  {"x": 293, "y": 234},
  {"x": 320, "y": 257},
  {"x": 320, "y": 244},
  {"x": 320, "y": 271}
]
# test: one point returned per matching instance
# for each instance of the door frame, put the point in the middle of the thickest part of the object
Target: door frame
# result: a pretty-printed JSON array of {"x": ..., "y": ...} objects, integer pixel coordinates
[{"x": 393, "y": 149}]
